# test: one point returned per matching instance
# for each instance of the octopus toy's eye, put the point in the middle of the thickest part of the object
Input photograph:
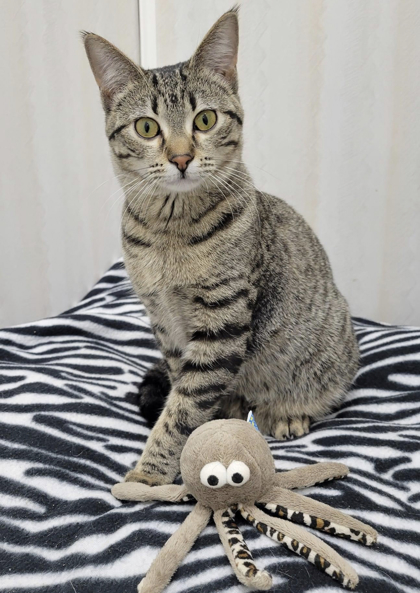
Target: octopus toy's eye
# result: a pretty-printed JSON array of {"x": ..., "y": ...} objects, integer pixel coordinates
[
  {"x": 238, "y": 473},
  {"x": 213, "y": 475}
]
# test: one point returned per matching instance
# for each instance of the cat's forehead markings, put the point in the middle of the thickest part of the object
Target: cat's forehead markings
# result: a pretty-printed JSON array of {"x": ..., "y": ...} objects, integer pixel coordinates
[
  {"x": 155, "y": 104},
  {"x": 172, "y": 85},
  {"x": 169, "y": 88},
  {"x": 155, "y": 80},
  {"x": 168, "y": 76},
  {"x": 193, "y": 101}
]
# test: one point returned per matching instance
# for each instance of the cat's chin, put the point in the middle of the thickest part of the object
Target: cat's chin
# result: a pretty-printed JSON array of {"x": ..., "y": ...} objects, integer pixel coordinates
[{"x": 181, "y": 185}]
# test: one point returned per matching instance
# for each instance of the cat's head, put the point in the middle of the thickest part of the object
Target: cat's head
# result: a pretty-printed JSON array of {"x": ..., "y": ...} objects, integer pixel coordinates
[{"x": 177, "y": 126}]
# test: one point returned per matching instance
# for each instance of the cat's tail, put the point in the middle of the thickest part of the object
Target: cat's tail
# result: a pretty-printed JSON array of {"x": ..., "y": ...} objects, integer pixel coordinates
[{"x": 153, "y": 391}]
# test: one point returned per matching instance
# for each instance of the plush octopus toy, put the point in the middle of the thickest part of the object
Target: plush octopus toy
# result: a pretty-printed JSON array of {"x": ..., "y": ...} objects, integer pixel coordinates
[{"x": 228, "y": 468}]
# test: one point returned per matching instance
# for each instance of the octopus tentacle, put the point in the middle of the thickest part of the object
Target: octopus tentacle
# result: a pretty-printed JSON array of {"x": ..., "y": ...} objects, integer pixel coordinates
[
  {"x": 238, "y": 552},
  {"x": 301, "y": 542},
  {"x": 143, "y": 493},
  {"x": 174, "y": 551},
  {"x": 306, "y": 511},
  {"x": 310, "y": 475}
]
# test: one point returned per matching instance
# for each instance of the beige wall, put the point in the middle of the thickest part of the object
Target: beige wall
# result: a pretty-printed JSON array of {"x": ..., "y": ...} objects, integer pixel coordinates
[
  {"x": 59, "y": 227},
  {"x": 331, "y": 90}
]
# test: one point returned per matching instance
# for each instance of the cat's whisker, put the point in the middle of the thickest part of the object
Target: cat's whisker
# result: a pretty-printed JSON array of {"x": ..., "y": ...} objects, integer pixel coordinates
[
  {"x": 133, "y": 192},
  {"x": 220, "y": 181},
  {"x": 152, "y": 187},
  {"x": 137, "y": 195},
  {"x": 130, "y": 185},
  {"x": 130, "y": 190},
  {"x": 119, "y": 190},
  {"x": 228, "y": 180},
  {"x": 244, "y": 178},
  {"x": 254, "y": 201},
  {"x": 207, "y": 189},
  {"x": 239, "y": 196},
  {"x": 247, "y": 196},
  {"x": 142, "y": 169},
  {"x": 239, "y": 182},
  {"x": 240, "y": 174},
  {"x": 227, "y": 199},
  {"x": 242, "y": 198},
  {"x": 145, "y": 176},
  {"x": 118, "y": 198},
  {"x": 251, "y": 166},
  {"x": 143, "y": 189},
  {"x": 150, "y": 194},
  {"x": 106, "y": 181}
]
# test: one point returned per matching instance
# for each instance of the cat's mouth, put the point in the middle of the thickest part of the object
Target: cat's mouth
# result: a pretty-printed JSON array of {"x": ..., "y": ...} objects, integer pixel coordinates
[{"x": 182, "y": 183}]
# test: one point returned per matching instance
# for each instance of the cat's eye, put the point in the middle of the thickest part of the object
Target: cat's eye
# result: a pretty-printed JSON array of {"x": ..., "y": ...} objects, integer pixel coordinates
[
  {"x": 147, "y": 127},
  {"x": 238, "y": 473},
  {"x": 205, "y": 120},
  {"x": 213, "y": 475}
]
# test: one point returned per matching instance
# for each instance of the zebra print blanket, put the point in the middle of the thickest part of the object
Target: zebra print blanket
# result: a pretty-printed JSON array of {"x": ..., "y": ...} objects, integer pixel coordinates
[{"x": 70, "y": 429}]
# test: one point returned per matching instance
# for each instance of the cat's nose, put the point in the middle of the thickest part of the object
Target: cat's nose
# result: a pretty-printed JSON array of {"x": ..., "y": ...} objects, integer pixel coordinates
[{"x": 181, "y": 160}]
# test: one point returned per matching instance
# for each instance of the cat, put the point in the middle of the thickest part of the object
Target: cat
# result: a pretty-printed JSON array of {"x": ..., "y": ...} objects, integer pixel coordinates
[{"x": 239, "y": 290}]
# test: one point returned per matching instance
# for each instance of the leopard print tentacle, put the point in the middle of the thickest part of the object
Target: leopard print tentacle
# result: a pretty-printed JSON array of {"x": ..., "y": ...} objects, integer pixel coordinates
[
  {"x": 276, "y": 510},
  {"x": 299, "y": 548},
  {"x": 238, "y": 552}
]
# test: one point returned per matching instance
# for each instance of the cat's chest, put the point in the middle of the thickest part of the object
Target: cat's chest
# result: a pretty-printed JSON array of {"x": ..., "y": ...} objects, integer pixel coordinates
[
  {"x": 164, "y": 285},
  {"x": 166, "y": 278},
  {"x": 155, "y": 269},
  {"x": 168, "y": 311}
]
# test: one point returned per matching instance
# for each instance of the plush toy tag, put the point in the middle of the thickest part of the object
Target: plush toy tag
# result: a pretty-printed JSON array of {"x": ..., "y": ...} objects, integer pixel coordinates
[{"x": 251, "y": 420}]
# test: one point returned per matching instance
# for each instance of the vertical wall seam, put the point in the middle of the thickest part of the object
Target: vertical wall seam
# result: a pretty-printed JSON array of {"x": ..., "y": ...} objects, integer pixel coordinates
[
  {"x": 147, "y": 27},
  {"x": 138, "y": 31}
]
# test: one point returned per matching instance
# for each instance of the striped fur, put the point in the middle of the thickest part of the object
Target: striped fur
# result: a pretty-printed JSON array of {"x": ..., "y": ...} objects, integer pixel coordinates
[{"x": 237, "y": 286}]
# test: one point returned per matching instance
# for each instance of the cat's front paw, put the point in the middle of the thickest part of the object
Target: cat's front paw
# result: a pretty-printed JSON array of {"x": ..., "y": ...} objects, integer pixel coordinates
[
  {"x": 291, "y": 428},
  {"x": 136, "y": 475}
]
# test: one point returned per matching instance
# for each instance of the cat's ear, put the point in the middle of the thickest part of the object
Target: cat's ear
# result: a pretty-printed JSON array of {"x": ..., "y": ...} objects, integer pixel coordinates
[
  {"x": 219, "y": 48},
  {"x": 111, "y": 68}
]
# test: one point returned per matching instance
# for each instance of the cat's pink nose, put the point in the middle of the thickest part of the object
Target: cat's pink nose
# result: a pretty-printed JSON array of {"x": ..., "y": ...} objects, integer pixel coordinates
[{"x": 181, "y": 161}]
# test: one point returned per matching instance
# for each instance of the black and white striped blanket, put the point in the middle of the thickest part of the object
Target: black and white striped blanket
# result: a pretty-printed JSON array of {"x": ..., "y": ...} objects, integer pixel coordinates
[{"x": 70, "y": 429}]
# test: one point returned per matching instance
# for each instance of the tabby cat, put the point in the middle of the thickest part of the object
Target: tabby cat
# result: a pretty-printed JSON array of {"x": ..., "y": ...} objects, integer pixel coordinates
[{"x": 239, "y": 290}]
